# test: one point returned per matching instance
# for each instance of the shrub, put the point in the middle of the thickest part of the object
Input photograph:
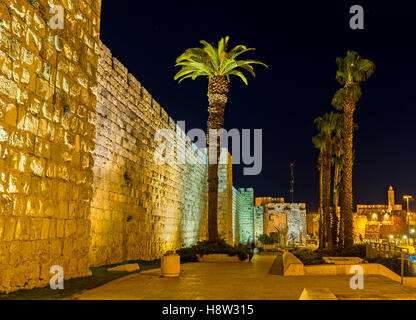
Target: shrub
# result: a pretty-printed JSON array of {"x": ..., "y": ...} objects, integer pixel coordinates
[
  {"x": 207, "y": 247},
  {"x": 312, "y": 257},
  {"x": 265, "y": 239}
]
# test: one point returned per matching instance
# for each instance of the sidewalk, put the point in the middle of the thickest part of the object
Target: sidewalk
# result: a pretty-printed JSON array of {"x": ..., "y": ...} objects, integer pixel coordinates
[{"x": 259, "y": 280}]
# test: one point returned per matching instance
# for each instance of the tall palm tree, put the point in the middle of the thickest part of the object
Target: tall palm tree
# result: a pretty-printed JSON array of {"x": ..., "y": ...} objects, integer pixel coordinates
[
  {"x": 217, "y": 64},
  {"x": 352, "y": 71},
  {"x": 326, "y": 125},
  {"x": 319, "y": 143}
]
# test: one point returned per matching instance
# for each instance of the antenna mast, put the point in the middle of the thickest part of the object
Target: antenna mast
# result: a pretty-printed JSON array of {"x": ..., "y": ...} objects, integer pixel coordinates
[{"x": 292, "y": 182}]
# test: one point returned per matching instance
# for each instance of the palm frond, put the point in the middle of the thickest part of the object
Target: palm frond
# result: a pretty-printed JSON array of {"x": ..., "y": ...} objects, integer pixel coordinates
[
  {"x": 338, "y": 99},
  {"x": 238, "y": 74},
  {"x": 213, "y": 61}
]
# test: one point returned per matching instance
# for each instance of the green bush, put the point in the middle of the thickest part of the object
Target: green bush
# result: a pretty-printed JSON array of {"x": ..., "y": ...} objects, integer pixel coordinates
[
  {"x": 265, "y": 239},
  {"x": 207, "y": 247},
  {"x": 312, "y": 257}
]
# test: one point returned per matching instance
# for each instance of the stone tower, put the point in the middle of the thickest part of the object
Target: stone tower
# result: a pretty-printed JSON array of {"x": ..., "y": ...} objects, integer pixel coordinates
[{"x": 390, "y": 196}]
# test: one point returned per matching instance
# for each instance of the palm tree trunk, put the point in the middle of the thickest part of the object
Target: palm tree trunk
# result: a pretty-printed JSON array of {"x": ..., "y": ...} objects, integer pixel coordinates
[
  {"x": 337, "y": 174},
  {"x": 341, "y": 220},
  {"x": 217, "y": 98},
  {"x": 215, "y": 121},
  {"x": 335, "y": 226},
  {"x": 347, "y": 199},
  {"x": 321, "y": 224},
  {"x": 327, "y": 190},
  {"x": 338, "y": 170}
]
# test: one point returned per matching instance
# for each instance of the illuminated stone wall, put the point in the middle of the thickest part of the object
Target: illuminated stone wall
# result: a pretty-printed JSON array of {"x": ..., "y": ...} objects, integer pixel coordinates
[
  {"x": 225, "y": 195},
  {"x": 312, "y": 224},
  {"x": 246, "y": 215},
  {"x": 236, "y": 212},
  {"x": 288, "y": 218},
  {"x": 359, "y": 226},
  {"x": 296, "y": 223},
  {"x": 140, "y": 208},
  {"x": 258, "y": 222},
  {"x": 45, "y": 147},
  {"x": 78, "y": 184}
]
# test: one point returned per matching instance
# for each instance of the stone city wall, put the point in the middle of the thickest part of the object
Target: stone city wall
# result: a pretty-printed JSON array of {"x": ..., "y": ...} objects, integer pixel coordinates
[
  {"x": 141, "y": 208},
  {"x": 47, "y": 132},
  {"x": 246, "y": 215},
  {"x": 79, "y": 186},
  {"x": 225, "y": 196},
  {"x": 236, "y": 212},
  {"x": 258, "y": 222}
]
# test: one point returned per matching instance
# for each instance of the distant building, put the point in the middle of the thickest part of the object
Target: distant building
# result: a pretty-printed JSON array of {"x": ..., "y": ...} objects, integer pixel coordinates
[
  {"x": 247, "y": 218},
  {"x": 312, "y": 224},
  {"x": 379, "y": 221},
  {"x": 287, "y": 220},
  {"x": 264, "y": 201}
]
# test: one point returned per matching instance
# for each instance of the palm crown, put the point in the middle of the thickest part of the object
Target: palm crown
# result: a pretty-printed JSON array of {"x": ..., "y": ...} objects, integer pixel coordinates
[
  {"x": 319, "y": 141},
  {"x": 327, "y": 123},
  {"x": 352, "y": 70},
  {"x": 211, "y": 61}
]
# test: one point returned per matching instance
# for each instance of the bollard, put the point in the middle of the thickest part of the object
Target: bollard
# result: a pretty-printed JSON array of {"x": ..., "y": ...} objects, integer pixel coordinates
[
  {"x": 402, "y": 268},
  {"x": 171, "y": 265}
]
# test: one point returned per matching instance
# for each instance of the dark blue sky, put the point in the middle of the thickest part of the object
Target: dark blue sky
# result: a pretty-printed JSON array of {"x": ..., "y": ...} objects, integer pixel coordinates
[{"x": 300, "y": 41}]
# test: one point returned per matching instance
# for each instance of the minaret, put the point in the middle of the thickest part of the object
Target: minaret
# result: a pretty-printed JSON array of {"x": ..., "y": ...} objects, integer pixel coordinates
[{"x": 390, "y": 196}]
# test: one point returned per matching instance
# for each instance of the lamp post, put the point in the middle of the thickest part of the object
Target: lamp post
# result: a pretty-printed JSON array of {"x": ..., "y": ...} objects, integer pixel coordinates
[{"x": 408, "y": 198}]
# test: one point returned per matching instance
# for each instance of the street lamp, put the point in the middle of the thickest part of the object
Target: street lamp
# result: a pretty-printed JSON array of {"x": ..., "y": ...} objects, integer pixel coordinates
[{"x": 408, "y": 198}]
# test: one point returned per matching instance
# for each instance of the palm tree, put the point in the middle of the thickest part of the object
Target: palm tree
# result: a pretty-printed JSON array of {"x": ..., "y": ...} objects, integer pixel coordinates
[
  {"x": 217, "y": 64},
  {"x": 352, "y": 71},
  {"x": 319, "y": 143},
  {"x": 326, "y": 125}
]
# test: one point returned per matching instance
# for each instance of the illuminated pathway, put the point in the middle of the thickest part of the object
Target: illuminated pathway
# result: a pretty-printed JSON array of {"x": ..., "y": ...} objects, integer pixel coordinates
[{"x": 240, "y": 281}]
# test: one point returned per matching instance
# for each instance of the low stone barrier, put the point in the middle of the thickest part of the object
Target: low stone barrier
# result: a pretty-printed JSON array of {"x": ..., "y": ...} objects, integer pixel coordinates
[
  {"x": 317, "y": 294},
  {"x": 219, "y": 257},
  {"x": 342, "y": 270},
  {"x": 292, "y": 266}
]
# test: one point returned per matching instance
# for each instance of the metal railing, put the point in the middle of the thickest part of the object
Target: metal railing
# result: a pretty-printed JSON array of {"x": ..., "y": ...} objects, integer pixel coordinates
[
  {"x": 403, "y": 253},
  {"x": 410, "y": 259},
  {"x": 388, "y": 248}
]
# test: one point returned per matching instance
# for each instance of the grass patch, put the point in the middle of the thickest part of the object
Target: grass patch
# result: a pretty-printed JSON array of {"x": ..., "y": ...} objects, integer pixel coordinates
[
  {"x": 314, "y": 257},
  {"x": 100, "y": 276}
]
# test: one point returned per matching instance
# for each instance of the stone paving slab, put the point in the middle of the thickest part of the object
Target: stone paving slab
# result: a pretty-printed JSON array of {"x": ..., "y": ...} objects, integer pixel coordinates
[{"x": 239, "y": 281}]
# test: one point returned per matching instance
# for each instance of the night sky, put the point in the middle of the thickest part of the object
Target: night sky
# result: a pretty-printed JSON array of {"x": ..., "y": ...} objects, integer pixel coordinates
[{"x": 300, "y": 41}]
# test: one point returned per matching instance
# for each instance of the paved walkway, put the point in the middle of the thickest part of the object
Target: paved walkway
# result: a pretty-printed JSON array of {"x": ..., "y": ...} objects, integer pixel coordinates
[{"x": 259, "y": 280}]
